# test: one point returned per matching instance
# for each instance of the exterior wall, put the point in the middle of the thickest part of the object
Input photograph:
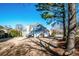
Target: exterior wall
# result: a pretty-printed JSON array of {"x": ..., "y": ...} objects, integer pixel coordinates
[
  {"x": 2, "y": 32},
  {"x": 50, "y": 32},
  {"x": 26, "y": 30},
  {"x": 41, "y": 34}
]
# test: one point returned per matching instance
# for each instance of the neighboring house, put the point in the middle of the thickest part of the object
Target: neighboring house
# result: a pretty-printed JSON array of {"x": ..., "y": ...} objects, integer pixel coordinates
[
  {"x": 26, "y": 30},
  {"x": 3, "y": 33},
  {"x": 77, "y": 33},
  {"x": 35, "y": 30},
  {"x": 56, "y": 33},
  {"x": 59, "y": 34}
]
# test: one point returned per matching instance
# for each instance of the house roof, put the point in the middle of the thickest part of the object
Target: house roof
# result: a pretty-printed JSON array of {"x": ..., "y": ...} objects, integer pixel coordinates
[
  {"x": 4, "y": 30},
  {"x": 38, "y": 28}
]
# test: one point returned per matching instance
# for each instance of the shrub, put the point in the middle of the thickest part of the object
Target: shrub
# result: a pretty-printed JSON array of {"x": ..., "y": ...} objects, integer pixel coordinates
[{"x": 14, "y": 33}]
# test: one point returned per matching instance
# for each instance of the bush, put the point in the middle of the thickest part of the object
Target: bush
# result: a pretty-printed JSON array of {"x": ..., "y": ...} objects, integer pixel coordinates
[{"x": 14, "y": 33}]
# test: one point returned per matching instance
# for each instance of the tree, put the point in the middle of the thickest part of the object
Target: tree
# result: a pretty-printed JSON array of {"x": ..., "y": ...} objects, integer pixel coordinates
[
  {"x": 19, "y": 27},
  {"x": 14, "y": 33},
  {"x": 53, "y": 12},
  {"x": 71, "y": 28},
  {"x": 1, "y": 27},
  {"x": 7, "y": 27}
]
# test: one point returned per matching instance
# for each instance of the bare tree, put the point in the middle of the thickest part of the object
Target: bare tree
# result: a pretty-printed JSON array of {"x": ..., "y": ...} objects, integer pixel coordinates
[{"x": 19, "y": 27}]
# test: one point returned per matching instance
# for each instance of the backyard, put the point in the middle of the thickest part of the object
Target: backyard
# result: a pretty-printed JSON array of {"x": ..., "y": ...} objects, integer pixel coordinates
[{"x": 32, "y": 47}]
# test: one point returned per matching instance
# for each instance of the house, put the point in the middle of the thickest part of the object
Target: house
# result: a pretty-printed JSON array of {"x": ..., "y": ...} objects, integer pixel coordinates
[
  {"x": 35, "y": 30},
  {"x": 56, "y": 33},
  {"x": 3, "y": 33}
]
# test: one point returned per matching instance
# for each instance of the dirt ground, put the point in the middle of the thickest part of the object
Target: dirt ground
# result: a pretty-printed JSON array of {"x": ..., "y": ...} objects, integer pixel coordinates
[{"x": 21, "y": 46}]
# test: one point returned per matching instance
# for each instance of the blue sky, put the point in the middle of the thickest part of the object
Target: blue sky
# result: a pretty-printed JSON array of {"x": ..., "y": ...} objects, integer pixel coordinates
[
  {"x": 25, "y": 14},
  {"x": 18, "y": 13}
]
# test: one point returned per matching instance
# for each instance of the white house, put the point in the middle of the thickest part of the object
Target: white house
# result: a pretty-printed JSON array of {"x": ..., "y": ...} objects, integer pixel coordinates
[
  {"x": 26, "y": 30},
  {"x": 35, "y": 30}
]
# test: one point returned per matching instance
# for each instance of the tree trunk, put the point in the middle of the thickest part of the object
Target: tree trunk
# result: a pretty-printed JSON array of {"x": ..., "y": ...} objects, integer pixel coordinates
[
  {"x": 71, "y": 29},
  {"x": 64, "y": 25}
]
